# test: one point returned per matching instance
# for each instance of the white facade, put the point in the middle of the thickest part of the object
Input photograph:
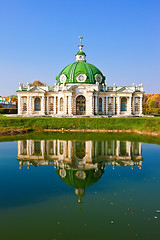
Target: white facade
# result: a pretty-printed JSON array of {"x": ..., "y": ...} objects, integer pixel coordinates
[{"x": 62, "y": 100}]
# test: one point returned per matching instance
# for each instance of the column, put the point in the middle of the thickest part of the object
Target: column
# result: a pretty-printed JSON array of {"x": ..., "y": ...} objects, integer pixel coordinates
[
  {"x": 103, "y": 104},
  {"x": 58, "y": 147},
  {"x": 106, "y": 105},
  {"x": 113, "y": 147},
  {"x": 19, "y": 105},
  {"x": 28, "y": 148},
  {"x": 27, "y": 105},
  {"x": 54, "y": 147},
  {"x": 69, "y": 150},
  {"x": 128, "y": 148},
  {"x": 43, "y": 147},
  {"x": 47, "y": 105},
  {"x": 106, "y": 147},
  {"x": 118, "y": 105},
  {"x": 30, "y": 105},
  {"x": 117, "y": 148},
  {"x": 19, "y": 147},
  {"x": 102, "y": 148},
  {"x": 113, "y": 105},
  {"x": 96, "y": 149},
  {"x": 129, "y": 106},
  {"x": 96, "y": 104},
  {"x": 54, "y": 104},
  {"x": 91, "y": 105},
  {"x": 59, "y": 105},
  {"x": 140, "y": 148},
  {"x": 65, "y": 104},
  {"x": 43, "y": 106},
  {"x": 133, "y": 104},
  {"x": 70, "y": 105},
  {"x": 140, "y": 106},
  {"x": 90, "y": 150}
]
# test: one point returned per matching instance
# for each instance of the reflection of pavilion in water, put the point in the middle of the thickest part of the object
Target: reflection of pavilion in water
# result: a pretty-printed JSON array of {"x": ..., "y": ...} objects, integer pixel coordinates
[{"x": 80, "y": 163}]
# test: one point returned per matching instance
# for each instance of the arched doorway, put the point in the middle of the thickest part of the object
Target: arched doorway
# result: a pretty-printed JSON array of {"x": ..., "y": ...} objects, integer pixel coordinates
[
  {"x": 124, "y": 104},
  {"x": 80, "y": 105}
]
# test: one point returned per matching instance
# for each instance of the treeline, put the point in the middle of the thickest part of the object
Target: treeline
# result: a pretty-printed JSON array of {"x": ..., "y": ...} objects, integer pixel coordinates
[{"x": 151, "y": 104}]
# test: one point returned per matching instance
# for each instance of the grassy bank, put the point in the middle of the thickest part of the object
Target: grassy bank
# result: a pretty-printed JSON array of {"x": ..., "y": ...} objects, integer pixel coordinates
[{"x": 142, "y": 124}]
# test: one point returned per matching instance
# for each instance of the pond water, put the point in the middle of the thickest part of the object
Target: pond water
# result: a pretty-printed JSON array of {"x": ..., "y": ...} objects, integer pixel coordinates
[{"x": 65, "y": 188}]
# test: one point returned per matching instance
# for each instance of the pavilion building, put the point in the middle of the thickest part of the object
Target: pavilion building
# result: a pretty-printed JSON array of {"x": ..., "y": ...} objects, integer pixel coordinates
[{"x": 80, "y": 90}]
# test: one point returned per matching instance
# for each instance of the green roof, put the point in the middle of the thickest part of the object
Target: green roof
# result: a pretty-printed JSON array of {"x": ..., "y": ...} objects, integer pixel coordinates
[
  {"x": 73, "y": 69},
  {"x": 91, "y": 178},
  {"x": 81, "y": 53}
]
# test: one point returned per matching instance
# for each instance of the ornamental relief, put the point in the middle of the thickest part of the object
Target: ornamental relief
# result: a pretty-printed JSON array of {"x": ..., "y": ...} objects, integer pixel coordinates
[
  {"x": 81, "y": 77},
  {"x": 63, "y": 78},
  {"x": 98, "y": 78}
]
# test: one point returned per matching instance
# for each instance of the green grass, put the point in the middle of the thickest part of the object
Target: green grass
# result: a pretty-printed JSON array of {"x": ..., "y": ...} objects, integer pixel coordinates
[{"x": 144, "y": 124}]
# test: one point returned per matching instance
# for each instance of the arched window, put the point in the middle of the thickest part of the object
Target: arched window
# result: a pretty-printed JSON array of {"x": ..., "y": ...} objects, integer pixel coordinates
[
  {"x": 37, "y": 104},
  {"x": 61, "y": 104},
  {"x": 124, "y": 104},
  {"x": 100, "y": 104}
]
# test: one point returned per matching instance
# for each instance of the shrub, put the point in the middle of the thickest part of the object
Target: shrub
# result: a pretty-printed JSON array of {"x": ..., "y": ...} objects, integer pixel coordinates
[
  {"x": 8, "y": 110},
  {"x": 151, "y": 111}
]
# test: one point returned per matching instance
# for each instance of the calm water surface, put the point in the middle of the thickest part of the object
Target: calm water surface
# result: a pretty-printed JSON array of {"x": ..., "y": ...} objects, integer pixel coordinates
[{"x": 77, "y": 189}]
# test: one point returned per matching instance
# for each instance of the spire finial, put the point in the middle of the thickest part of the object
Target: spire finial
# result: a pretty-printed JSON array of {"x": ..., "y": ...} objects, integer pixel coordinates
[
  {"x": 81, "y": 45},
  {"x": 81, "y": 40}
]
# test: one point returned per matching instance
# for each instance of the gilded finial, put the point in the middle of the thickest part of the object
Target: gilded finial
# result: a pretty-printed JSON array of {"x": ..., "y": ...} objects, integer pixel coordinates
[{"x": 81, "y": 40}]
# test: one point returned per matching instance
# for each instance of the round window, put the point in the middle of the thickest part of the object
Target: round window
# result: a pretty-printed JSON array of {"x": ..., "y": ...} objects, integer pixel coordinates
[{"x": 81, "y": 77}]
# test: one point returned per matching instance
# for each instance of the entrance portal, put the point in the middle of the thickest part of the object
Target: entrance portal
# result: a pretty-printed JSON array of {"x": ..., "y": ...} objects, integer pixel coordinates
[{"x": 80, "y": 105}]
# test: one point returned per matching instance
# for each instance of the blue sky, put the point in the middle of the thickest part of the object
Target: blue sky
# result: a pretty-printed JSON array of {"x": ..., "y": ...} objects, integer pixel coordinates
[{"x": 38, "y": 38}]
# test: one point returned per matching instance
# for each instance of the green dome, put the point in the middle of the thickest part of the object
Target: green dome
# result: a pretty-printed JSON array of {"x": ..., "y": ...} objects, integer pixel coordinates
[
  {"x": 72, "y": 180},
  {"x": 81, "y": 53},
  {"x": 72, "y": 70}
]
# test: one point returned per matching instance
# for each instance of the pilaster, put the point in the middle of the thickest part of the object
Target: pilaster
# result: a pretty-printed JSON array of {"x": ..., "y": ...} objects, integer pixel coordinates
[
  {"x": 96, "y": 104},
  {"x": 54, "y": 106},
  {"x": 133, "y": 104},
  {"x": 129, "y": 105},
  {"x": 47, "y": 104},
  {"x": 140, "y": 106},
  {"x": 70, "y": 105},
  {"x": 43, "y": 106},
  {"x": 113, "y": 105},
  {"x": 106, "y": 105},
  {"x": 118, "y": 105}
]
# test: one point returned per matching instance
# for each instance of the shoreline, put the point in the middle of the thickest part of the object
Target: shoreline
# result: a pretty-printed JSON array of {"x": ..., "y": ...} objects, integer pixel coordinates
[
  {"x": 143, "y": 126},
  {"x": 23, "y": 131}
]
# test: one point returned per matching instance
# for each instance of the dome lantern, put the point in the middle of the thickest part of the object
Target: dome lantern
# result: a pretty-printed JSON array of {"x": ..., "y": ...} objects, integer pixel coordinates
[
  {"x": 80, "y": 72},
  {"x": 80, "y": 56}
]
